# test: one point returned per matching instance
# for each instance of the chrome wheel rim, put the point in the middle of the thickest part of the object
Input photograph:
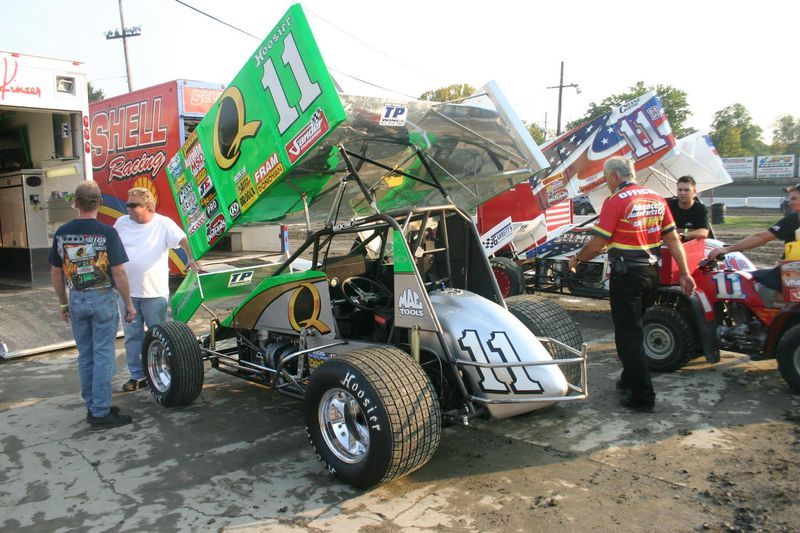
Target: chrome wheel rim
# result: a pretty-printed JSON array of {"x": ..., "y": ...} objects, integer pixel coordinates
[
  {"x": 658, "y": 342},
  {"x": 158, "y": 366},
  {"x": 344, "y": 426}
]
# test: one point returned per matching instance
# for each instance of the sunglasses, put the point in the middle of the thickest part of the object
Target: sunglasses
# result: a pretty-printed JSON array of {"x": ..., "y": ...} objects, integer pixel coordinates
[{"x": 132, "y": 205}]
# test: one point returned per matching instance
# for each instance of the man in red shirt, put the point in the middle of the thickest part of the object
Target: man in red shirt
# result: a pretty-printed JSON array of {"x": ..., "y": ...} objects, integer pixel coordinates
[{"x": 632, "y": 224}]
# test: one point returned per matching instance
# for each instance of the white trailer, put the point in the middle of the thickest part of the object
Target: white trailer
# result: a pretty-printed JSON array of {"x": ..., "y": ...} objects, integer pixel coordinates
[{"x": 44, "y": 154}]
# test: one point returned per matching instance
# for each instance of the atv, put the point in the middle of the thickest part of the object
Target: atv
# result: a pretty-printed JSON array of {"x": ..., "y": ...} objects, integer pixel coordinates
[
  {"x": 396, "y": 326},
  {"x": 730, "y": 310}
]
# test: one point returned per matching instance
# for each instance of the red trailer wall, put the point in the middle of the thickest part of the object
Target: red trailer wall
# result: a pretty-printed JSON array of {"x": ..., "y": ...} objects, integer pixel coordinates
[{"x": 133, "y": 136}]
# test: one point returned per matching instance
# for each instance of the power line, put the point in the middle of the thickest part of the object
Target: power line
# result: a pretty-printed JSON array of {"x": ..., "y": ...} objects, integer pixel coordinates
[
  {"x": 335, "y": 70},
  {"x": 374, "y": 49},
  {"x": 218, "y": 20}
]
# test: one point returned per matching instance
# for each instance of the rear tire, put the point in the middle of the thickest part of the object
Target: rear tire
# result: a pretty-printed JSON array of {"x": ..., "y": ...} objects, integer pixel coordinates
[
  {"x": 372, "y": 416},
  {"x": 173, "y": 364},
  {"x": 788, "y": 356},
  {"x": 508, "y": 275},
  {"x": 668, "y": 339},
  {"x": 545, "y": 318}
]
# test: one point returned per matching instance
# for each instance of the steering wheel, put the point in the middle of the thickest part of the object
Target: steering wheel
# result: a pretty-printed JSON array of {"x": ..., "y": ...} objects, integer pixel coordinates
[{"x": 365, "y": 293}]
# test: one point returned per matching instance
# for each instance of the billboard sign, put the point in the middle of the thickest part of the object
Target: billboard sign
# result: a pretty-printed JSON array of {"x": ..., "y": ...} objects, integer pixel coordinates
[
  {"x": 740, "y": 167},
  {"x": 775, "y": 166}
]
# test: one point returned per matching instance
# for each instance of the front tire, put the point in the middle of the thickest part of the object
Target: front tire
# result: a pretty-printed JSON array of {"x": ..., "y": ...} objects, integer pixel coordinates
[
  {"x": 173, "y": 364},
  {"x": 508, "y": 275},
  {"x": 545, "y": 318},
  {"x": 788, "y": 356},
  {"x": 372, "y": 416},
  {"x": 668, "y": 339}
]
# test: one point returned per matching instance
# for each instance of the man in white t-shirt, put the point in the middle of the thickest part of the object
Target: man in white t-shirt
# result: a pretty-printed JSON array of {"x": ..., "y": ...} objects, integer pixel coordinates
[{"x": 147, "y": 237}]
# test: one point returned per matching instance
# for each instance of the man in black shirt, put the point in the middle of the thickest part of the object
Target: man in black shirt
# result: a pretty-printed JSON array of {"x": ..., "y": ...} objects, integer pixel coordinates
[
  {"x": 787, "y": 229},
  {"x": 691, "y": 217}
]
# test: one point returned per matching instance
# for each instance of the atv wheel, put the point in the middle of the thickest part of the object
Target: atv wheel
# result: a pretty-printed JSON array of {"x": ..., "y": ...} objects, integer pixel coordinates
[
  {"x": 545, "y": 318},
  {"x": 372, "y": 416},
  {"x": 788, "y": 356},
  {"x": 668, "y": 339},
  {"x": 587, "y": 281},
  {"x": 173, "y": 364},
  {"x": 508, "y": 275}
]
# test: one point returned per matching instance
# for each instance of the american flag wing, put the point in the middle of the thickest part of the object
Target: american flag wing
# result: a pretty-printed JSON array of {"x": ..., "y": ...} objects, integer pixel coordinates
[{"x": 638, "y": 129}]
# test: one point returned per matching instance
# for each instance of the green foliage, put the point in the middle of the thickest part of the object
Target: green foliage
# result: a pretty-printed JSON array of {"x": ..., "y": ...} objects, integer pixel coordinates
[
  {"x": 95, "y": 94},
  {"x": 674, "y": 101},
  {"x": 537, "y": 132},
  {"x": 786, "y": 136},
  {"x": 734, "y": 133},
  {"x": 450, "y": 93}
]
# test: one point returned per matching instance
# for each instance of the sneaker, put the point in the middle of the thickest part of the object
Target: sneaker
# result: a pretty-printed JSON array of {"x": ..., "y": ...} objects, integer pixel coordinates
[
  {"x": 134, "y": 385},
  {"x": 638, "y": 406},
  {"x": 111, "y": 420},
  {"x": 114, "y": 409}
]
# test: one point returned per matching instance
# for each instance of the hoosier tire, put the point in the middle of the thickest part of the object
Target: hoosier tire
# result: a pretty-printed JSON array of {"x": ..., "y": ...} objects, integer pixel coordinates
[
  {"x": 173, "y": 364},
  {"x": 372, "y": 416},
  {"x": 668, "y": 339},
  {"x": 508, "y": 275},
  {"x": 788, "y": 356},
  {"x": 545, "y": 318}
]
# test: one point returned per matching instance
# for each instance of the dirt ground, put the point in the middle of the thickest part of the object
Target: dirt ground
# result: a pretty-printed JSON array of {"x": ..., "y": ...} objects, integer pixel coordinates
[{"x": 719, "y": 455}]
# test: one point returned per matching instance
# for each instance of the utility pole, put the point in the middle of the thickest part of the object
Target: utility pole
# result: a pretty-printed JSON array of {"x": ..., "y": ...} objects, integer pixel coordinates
[
  {"x": 560, "y": 88},
  {"x": 134, "y": 31}
]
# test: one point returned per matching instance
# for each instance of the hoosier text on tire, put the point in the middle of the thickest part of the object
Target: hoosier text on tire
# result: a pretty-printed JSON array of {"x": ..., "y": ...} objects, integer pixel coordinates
[{"x": 372, "y": 416}]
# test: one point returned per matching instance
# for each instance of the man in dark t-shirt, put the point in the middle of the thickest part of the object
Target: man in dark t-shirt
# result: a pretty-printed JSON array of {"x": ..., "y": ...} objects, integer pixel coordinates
[
  {"x": 87, "y": 258},
  {"x": 691, "y": 216},
  {"x": 787, "y": 229}
]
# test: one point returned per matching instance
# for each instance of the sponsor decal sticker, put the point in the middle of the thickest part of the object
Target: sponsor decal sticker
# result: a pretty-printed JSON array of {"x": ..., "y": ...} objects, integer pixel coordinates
[
  {"x": 394, "y": 115},
  {"x": 240, "y": 279},
  {"x": 234, "y": 210},
  {"x": 306, "y": 137},
  {"x": 410, "y": 303},
  {"x": 215, "y": 229},
  {"x": 304, "y": 309},
  {"x": 197, "y": 222}
]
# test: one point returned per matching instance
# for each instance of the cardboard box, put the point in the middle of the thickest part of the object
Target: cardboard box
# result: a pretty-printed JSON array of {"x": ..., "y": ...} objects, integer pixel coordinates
[{"x": 695, "y": 251}]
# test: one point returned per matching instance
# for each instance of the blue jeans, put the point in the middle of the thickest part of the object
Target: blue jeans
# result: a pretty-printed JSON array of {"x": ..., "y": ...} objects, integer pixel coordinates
[
  {"x": 149, "y": 312},
  {"x": 94, "y": 319}
]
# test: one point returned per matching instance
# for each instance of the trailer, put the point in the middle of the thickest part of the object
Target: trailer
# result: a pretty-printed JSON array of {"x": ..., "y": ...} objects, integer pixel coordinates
[
  {"x": 44, "y": 154},
  {"x": 132, "y": 136}
]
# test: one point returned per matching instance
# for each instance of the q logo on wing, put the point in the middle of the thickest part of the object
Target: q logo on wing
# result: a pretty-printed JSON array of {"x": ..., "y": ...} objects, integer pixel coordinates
[
  {"x": 230, "y": 128},
  {"x": 304, "y": 309}
]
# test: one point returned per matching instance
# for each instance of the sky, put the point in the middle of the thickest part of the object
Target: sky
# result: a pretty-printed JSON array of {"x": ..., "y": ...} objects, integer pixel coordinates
[{"x": 719, "y": 53}]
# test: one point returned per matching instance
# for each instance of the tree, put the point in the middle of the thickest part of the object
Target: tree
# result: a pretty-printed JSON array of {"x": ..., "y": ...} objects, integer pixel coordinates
[
  {"x": 95, "y": 94},
  {"x": 537, "y": 132},
  {"x": 674, "y": 101},
  {"x": 786, "y": 135},
  {"x": 734, "y": 133},
  {"x": 449, "y": 93}
]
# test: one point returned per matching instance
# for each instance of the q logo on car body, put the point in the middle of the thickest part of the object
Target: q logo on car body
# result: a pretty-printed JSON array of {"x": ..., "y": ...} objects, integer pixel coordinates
[
  {"x": 304, "y": 309},
  {"x": 230, "y": 128}
]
